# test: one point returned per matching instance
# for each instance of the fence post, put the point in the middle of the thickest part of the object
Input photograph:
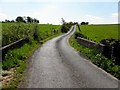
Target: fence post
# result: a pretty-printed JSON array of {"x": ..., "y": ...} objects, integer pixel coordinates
[{"x": 112, "y": 50}]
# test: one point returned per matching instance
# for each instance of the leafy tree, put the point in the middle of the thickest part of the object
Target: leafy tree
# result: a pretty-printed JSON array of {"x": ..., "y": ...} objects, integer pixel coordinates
[
  {"x": 19, "y": 19},
  {"x": 87, "y": 23},
  {"x": 35, "y": 21},
  {"x": 7, "y": 20},
  {"x": 65, "y": 26},
  {"x": 29, "y": 20},
  {"x": 12, "y": 21},
  {"x": 84, "y": 23},
  {"x": 63, "y": 21}
]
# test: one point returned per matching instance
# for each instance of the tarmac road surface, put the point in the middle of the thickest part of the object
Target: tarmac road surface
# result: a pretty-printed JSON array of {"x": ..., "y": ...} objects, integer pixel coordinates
[{"x": 57, "y": 65}]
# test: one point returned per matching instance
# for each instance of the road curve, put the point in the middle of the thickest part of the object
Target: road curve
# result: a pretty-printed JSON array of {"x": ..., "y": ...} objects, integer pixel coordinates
[{"x": 57, "y": 65}]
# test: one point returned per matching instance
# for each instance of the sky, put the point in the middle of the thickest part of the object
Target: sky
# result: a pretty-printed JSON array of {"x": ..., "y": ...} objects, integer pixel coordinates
[{"x": 51, "y": 11}]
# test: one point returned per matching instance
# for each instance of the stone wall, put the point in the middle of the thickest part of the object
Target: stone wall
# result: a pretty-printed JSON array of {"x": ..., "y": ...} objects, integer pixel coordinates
[
  {"x": 90, "y": 44},
  {"x": 17, "y": 44}
]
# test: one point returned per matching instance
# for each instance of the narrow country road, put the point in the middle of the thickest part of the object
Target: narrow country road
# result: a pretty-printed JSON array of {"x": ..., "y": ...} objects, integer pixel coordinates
[{"x": 57, "y": 65}]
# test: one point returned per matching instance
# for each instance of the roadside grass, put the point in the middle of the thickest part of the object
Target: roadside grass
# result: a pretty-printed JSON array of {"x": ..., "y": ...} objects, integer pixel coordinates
[
  {"x": 18, "y": 58},
  {"x": 97, "y": 58}
]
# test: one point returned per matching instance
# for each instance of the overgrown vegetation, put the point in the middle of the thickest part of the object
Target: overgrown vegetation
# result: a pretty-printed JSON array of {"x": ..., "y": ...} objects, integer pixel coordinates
[
  {"x": 65, "y": 26},
  {"x": 14, "y": 57},
  {"x": 112, "y": 49},
  {"x": 17, "y": 59},
  {"x": 12, "y": 32},
  {"x": 97, "y": 58}
]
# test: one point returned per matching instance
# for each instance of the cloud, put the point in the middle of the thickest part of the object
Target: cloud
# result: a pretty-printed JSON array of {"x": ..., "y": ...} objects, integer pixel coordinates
[
  {"x": 3, "y": 17},
  {"x": 93, "y": 19},
  {"x": 114, "y": 18},
  {"x": 47, "y": 14},
  {"x": 115, "y": 15}
]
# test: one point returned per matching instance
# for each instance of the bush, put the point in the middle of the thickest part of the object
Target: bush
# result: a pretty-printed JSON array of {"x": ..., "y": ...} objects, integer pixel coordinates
[
  {"x": 12, "y": 32},
  {"x": 77, "y": 34},
  {"x": 112, "y": 49},
  {"x": 14, "y": 57},
  {"x": 66, "y": 27}
]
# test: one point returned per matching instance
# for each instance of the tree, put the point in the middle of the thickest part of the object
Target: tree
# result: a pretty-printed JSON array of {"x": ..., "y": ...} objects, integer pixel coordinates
[
  {"x": 87, "y": 23},
  {"x": 19, "y": 19},
  {"x": 82, "y": 23},
  {"x": 63, "y": 21},
  {"x": 12, "y": 21},
  {"x": 37, "y": 21},
  {"x": 25, "y": 19},
  {"x": 65, "y": 26},
  {"x": 29, "y": 20}
]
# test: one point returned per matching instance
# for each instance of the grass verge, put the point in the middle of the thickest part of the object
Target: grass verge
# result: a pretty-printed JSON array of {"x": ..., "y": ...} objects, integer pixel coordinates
[{"x": 96, "y": 58}]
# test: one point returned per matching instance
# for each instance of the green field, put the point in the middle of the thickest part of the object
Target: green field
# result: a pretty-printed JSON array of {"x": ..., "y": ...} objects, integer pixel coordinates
[
  {"x": 12, "y": 32},
  {"x": 46, "y": 30},
  {"x": 99, "y": 32}
]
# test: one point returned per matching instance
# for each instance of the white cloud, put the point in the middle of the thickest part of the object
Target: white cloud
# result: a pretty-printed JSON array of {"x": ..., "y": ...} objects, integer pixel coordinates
[
  {"x": 93, "y": 19},
  {"x": 114, "y": 18},
  {"x": 115, "y": 15},
  {"x": 3, "y": 17},
  {"x": 47, "y": 14}
]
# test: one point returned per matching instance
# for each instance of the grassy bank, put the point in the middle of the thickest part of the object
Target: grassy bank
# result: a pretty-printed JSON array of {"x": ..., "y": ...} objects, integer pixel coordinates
[{"x": 96, "y": 58}]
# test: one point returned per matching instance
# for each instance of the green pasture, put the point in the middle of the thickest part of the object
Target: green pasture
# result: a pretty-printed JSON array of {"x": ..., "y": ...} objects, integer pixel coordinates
[{"x": 99, "y": 32}]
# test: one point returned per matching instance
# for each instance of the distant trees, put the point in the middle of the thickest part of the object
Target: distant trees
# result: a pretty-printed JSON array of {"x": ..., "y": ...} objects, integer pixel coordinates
[
  {"x": 84, "y": 23},
  {"x": 12, "y": 21},
  {"x": 26, "y": 19},
  {"x": 29, "y": 20},
  {"x": 19, "y": 19},
  {"x": 7, "y": 21},
  {"x": 23, "y": 19},
  {"x": 35, "y": 21}
]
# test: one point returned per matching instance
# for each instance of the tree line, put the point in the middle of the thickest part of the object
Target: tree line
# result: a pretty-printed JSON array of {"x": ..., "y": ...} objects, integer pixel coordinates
[{"x": 23, "y": 19}]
